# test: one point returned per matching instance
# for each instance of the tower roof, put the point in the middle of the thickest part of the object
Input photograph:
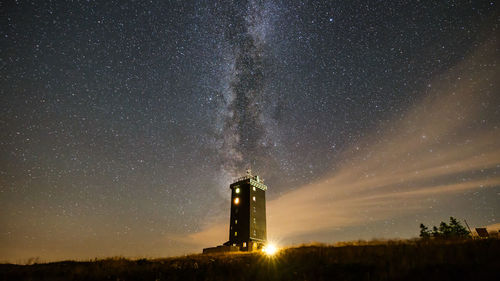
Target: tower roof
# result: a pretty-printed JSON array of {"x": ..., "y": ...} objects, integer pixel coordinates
[{"x": 254, "y": 180}]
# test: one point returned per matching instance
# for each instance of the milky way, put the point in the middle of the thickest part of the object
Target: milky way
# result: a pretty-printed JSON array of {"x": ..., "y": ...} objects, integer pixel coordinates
[
  {"x": 243, "y": 129},
  {"x": 122, "y": 123}
]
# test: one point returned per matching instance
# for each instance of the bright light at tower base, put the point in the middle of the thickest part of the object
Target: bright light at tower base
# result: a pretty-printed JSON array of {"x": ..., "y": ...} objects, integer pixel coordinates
[{"x": 270, "y": 249}]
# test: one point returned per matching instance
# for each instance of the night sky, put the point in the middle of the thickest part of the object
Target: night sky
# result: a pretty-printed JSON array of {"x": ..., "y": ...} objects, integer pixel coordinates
[{"x": 123, "y": 123}]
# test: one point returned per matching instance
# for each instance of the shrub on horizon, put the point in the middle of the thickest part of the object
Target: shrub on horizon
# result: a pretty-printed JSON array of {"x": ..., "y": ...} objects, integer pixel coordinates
[{"x": 452, "y": 230}]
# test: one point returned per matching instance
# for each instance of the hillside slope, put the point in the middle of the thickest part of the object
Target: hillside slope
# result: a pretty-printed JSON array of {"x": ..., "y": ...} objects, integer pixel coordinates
[{"x": 402, "y": 260}]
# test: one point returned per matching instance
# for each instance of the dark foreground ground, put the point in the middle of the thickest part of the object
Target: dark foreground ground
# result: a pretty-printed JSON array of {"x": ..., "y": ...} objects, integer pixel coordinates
[{"x": 402, "y": 260}]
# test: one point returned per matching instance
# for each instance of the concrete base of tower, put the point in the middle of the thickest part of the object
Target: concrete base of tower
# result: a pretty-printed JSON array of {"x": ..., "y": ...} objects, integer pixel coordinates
[
  {"x": 221, "y": 249},
  {"x": 247, "y": 246}
]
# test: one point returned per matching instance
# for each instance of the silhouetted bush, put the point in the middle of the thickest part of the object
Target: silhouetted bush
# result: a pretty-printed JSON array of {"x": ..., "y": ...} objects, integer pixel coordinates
[{"x": 453, "y": 230}]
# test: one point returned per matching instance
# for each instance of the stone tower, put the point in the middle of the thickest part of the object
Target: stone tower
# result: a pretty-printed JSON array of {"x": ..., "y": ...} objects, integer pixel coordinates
[{"x": 247, "y": 228}]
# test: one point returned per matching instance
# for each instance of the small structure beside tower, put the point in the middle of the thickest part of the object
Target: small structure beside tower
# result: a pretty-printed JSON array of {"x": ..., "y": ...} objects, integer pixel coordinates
[{"x": 247, "y": 226}]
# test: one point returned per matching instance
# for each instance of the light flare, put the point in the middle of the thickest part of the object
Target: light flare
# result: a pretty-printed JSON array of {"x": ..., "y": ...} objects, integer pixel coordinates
[{"x": 270, "y": 249}]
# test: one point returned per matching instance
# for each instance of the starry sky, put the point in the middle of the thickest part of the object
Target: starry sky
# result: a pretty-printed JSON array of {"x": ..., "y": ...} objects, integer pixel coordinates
[{"x": 122, "y": 123}]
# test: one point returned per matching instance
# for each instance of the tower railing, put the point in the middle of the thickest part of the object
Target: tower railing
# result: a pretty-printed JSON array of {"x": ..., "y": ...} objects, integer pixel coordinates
[
  {"x": 249, "y": 176},
  {"x": 245, "y": 178}
]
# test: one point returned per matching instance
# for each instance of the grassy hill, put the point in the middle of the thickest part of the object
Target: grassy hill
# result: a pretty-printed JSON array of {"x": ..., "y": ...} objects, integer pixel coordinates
[{"x": 390, "y": 260}]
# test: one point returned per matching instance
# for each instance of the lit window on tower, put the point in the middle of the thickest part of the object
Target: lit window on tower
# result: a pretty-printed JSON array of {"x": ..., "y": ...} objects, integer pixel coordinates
[
  {"x": 253, "y": 198},
  {"x": 237, "y": 190},
  {"x": 254, "y": 188},
  {"x": 236, "y": 233},
  {"x": 236, "y": 200}
]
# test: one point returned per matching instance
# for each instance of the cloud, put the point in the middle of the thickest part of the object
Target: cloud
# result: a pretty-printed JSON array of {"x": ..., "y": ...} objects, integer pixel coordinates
[
  {"x": 445, "y": 144},
  {"x": 493, "y": 227}
]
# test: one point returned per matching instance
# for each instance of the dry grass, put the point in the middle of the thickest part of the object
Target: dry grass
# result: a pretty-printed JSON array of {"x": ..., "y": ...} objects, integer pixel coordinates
[{"x": 358, "y": 260}]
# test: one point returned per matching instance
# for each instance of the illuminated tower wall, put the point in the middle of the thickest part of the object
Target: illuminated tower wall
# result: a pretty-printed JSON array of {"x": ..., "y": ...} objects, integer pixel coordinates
[{"x": 247, "y": 228}]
